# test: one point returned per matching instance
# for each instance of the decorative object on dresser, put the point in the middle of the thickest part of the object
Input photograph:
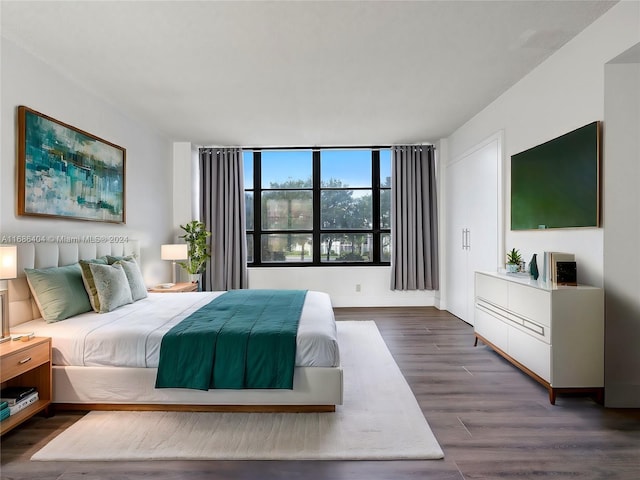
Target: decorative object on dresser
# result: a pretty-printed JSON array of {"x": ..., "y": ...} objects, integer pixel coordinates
[
  {"x": 566, "y": 273},
  {"x": 66, "y": 172},
  {"x": 550, "y": 267},
  {"x": 26, "y": 377},
  {"x": 8, "y": 270},
  {"x": 533, "y": 267},
  {"x": 174, "y": 252},
  {"x": 175, "y": 287},
  {"x": 555, "y": 334},
  {"x": 513, "y": 260}
]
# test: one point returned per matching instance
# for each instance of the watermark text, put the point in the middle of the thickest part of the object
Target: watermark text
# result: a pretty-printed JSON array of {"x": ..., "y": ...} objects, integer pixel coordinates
[{"x": 49, "y": 238}]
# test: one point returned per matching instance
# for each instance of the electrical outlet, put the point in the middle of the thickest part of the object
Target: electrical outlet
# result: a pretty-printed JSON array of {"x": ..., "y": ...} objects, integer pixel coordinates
[{"x": 358, "y": 287}]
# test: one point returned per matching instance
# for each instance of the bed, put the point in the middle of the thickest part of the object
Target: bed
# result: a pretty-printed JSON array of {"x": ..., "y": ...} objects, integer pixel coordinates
[{"x": 107, "y": 361}]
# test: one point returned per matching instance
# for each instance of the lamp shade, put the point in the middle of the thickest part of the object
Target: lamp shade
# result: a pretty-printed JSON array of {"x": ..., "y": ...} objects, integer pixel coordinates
[
  {"x": 174, "y": 252},
  {"x": 8, "y": 262}
]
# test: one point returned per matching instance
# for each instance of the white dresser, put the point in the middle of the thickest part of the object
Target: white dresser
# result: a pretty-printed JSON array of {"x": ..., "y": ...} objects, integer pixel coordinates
[{"x": 555, "y": 333}]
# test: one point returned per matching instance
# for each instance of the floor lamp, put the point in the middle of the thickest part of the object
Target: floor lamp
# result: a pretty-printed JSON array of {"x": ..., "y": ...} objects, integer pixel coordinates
[
  {"x": 8, "y": 270},
  {"x": 174, "y": 252}
]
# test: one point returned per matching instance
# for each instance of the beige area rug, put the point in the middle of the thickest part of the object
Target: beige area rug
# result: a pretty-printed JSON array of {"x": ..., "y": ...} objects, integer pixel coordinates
[{"x": 380, "y": 420}]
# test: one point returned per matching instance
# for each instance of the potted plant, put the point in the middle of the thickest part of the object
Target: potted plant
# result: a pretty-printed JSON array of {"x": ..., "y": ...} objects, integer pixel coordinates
[
  {"x": 513, "y": 260},
  {"x": 195, "y": 237}
]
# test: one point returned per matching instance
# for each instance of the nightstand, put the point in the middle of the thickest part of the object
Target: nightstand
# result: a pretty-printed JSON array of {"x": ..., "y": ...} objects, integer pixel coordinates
[
  {"x": 178, "y": 287},
  {"x": 26, "y": 364}
]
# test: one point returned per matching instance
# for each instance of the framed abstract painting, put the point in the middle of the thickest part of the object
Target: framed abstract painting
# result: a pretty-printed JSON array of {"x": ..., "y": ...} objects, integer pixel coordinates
[{"x": 64, "y": 172}]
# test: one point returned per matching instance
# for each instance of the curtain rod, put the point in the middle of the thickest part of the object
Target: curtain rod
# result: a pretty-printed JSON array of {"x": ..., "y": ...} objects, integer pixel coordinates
[{"x": 351, "y": 147}]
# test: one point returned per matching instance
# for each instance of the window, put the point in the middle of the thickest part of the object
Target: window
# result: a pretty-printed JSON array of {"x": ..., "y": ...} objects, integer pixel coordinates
[{"x": 318, "y": 206}]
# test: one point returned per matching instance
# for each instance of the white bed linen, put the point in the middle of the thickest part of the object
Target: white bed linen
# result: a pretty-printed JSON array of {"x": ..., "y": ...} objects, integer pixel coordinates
[{"x": 130, "y": 336}]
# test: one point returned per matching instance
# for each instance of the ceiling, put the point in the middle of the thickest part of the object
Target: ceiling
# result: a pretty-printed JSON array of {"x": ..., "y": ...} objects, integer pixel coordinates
[{"x": 297, "y": 73}]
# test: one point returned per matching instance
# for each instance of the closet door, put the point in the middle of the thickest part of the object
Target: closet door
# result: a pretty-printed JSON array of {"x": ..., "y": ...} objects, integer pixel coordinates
[
  {"x": 482, "y": 211},
  {"x": 457, "y": 234},
  {"x": 473, "y": 209}
]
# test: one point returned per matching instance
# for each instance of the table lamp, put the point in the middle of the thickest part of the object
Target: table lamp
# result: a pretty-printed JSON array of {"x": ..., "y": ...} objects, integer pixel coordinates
[
  {"x": 8, "y": 270},
  {"x": 174, "y": 252}
]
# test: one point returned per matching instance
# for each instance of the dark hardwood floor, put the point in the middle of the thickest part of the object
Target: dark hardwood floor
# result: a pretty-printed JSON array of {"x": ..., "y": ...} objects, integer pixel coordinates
[{"x": 492, "y": 422}]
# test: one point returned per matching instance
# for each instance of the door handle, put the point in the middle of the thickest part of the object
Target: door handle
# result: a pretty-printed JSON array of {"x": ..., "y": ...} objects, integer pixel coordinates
[{"x": 466, "y": 239}]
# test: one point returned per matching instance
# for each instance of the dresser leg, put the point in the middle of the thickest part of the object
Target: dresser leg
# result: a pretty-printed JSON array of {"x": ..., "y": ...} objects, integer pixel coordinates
[{"x": 552, "y": 396}]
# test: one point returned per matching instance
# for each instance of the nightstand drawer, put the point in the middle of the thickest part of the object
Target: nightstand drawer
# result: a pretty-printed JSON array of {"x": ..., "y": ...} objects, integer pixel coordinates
[{"x": 24, "y": 360}]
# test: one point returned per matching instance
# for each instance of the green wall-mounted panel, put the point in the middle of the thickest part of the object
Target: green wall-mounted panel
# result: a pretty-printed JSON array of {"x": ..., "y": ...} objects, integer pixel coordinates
[{"x": 557, "y": 184}]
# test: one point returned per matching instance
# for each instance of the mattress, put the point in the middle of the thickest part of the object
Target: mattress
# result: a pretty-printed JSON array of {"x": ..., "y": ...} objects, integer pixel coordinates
[{"x": 130, "y": 336}]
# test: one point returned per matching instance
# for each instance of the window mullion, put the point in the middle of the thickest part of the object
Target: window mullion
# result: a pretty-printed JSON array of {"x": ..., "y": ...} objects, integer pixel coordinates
[
  {"x": 316, "y": 207},
  {"x": 257, "y": 207},
  {"x": 375, "y": 204}
]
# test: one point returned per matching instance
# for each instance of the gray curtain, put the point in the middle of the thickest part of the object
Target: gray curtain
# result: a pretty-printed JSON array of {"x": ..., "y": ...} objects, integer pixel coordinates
[
  {"x": 222, "y": 208},
  {"x": 414, "y": 219}
]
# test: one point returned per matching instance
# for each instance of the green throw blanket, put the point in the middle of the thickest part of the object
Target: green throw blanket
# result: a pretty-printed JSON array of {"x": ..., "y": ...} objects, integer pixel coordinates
[{"x": 242, "y": 339}]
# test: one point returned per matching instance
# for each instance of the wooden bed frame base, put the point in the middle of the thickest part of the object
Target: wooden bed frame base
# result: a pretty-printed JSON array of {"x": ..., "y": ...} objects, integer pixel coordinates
[{"x": 152, "y": 407}]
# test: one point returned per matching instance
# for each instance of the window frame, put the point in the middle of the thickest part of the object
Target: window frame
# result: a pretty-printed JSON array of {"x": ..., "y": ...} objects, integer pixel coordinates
[{"x": 316, "y": 233}]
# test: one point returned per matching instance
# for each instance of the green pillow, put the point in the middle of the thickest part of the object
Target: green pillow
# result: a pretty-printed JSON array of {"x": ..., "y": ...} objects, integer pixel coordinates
[
  {"x": 134, "y": 276},
  {"x": 58, "y": 291},
  {"x": 112, "y": 286},
  {"x": 89, "y": 284},
  {"x": 111, "y": 259}
]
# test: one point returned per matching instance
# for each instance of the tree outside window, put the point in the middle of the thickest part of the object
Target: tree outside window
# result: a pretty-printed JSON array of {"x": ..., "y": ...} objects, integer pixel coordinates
[{"x": 319, "y": 207}]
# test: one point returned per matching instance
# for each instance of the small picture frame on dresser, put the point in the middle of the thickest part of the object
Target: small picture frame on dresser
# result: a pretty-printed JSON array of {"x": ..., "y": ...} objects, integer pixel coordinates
[{"x": 566, "y": 273}]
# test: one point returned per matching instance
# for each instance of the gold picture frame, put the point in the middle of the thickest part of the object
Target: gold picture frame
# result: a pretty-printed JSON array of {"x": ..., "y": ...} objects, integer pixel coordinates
[{"x": 65, "y": 172}]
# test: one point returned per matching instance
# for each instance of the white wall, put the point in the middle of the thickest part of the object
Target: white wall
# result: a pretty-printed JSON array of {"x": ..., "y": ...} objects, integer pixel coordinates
[
  {"x": 185, "y": 193},
  {"x": 186, "y": 184},
  {"x": 563, "y": 93},
  {"x": 341, "y": 285},
  {"x": 26, "y": 80},
  {"x": 622, "y": 231}
]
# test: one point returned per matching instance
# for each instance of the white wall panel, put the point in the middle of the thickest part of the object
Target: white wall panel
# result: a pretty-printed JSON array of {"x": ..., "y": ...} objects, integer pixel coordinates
[{"x": 27, "y": 80}]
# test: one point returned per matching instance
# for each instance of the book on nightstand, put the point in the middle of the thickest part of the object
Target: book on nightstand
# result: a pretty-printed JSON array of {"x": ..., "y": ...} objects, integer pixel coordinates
[
  {"x": 13, "y": 395},
  {"x": 4, "y": 411},
  {"x": 23, "y": 403}
]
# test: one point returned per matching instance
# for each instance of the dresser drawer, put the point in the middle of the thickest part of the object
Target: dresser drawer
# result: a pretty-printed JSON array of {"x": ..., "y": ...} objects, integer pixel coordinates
[
  {"x": 24, "y": 360},
  {"x": 531, "y": 303},
  {"x": 492, "y": 289},
  {"x": 492, "y": 329},
  {"x": 533, "y": 354}
]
